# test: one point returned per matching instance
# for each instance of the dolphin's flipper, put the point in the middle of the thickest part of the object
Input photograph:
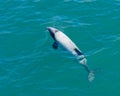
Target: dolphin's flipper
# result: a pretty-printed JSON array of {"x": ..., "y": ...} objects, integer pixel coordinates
[{"x": 55, "y": 45}]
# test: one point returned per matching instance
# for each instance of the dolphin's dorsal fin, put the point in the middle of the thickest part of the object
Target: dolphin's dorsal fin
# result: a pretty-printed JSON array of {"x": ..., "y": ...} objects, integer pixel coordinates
[
  {"x": 78, "y": 52},
  {"x": 55, "y": 45}
]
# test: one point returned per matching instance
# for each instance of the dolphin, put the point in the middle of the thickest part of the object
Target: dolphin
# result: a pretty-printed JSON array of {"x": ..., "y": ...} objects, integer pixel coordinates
[{"x": 60, "y": 39}]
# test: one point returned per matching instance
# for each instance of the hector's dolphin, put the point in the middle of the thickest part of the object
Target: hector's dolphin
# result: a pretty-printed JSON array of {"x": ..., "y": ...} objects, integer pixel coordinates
[{"x": 60, "y": 39}]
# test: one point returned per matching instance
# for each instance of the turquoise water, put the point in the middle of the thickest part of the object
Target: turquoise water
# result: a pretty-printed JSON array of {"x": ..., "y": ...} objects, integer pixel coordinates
[{"x": 29, "y": 66}]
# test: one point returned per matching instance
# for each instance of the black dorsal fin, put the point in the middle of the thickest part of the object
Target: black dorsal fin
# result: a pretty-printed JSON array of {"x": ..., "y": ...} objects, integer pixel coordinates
[{"x": 78, "y": 52}]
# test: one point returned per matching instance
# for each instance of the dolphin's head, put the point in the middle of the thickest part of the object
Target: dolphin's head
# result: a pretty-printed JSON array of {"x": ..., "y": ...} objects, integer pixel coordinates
[{"x": 52, "y": 31}]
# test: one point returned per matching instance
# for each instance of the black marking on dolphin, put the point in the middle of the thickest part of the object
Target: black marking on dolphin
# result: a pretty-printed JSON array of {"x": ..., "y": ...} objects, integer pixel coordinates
[
  {"x": 53, "y": 36},
  {"x": 78, "y": 52}
]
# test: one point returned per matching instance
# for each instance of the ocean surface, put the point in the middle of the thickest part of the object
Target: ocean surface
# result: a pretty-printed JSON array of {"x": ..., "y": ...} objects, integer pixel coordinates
[{"x": 29, "y": 66}]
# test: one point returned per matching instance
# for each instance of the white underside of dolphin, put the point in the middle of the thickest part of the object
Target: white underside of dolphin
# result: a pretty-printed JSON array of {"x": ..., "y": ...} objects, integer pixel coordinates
[
  {"x": 66, "y": 42},
  {"x": 60, "y": 39}
]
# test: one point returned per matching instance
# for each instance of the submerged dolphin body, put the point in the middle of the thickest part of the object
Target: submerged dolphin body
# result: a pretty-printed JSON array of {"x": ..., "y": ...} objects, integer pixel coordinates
[{"x": 60, "y": 39}]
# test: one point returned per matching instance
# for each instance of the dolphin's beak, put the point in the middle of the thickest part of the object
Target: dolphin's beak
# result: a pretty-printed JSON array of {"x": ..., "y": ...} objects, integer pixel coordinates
[{"x": 49, "y": 29}]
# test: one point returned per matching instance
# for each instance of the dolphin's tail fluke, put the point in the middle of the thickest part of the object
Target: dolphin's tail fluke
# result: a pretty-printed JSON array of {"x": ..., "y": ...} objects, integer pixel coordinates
[
  {"x": 83, "y": 62},
  {"x": 90, "y": 72},
  {"x": 91, "y": 76}
]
